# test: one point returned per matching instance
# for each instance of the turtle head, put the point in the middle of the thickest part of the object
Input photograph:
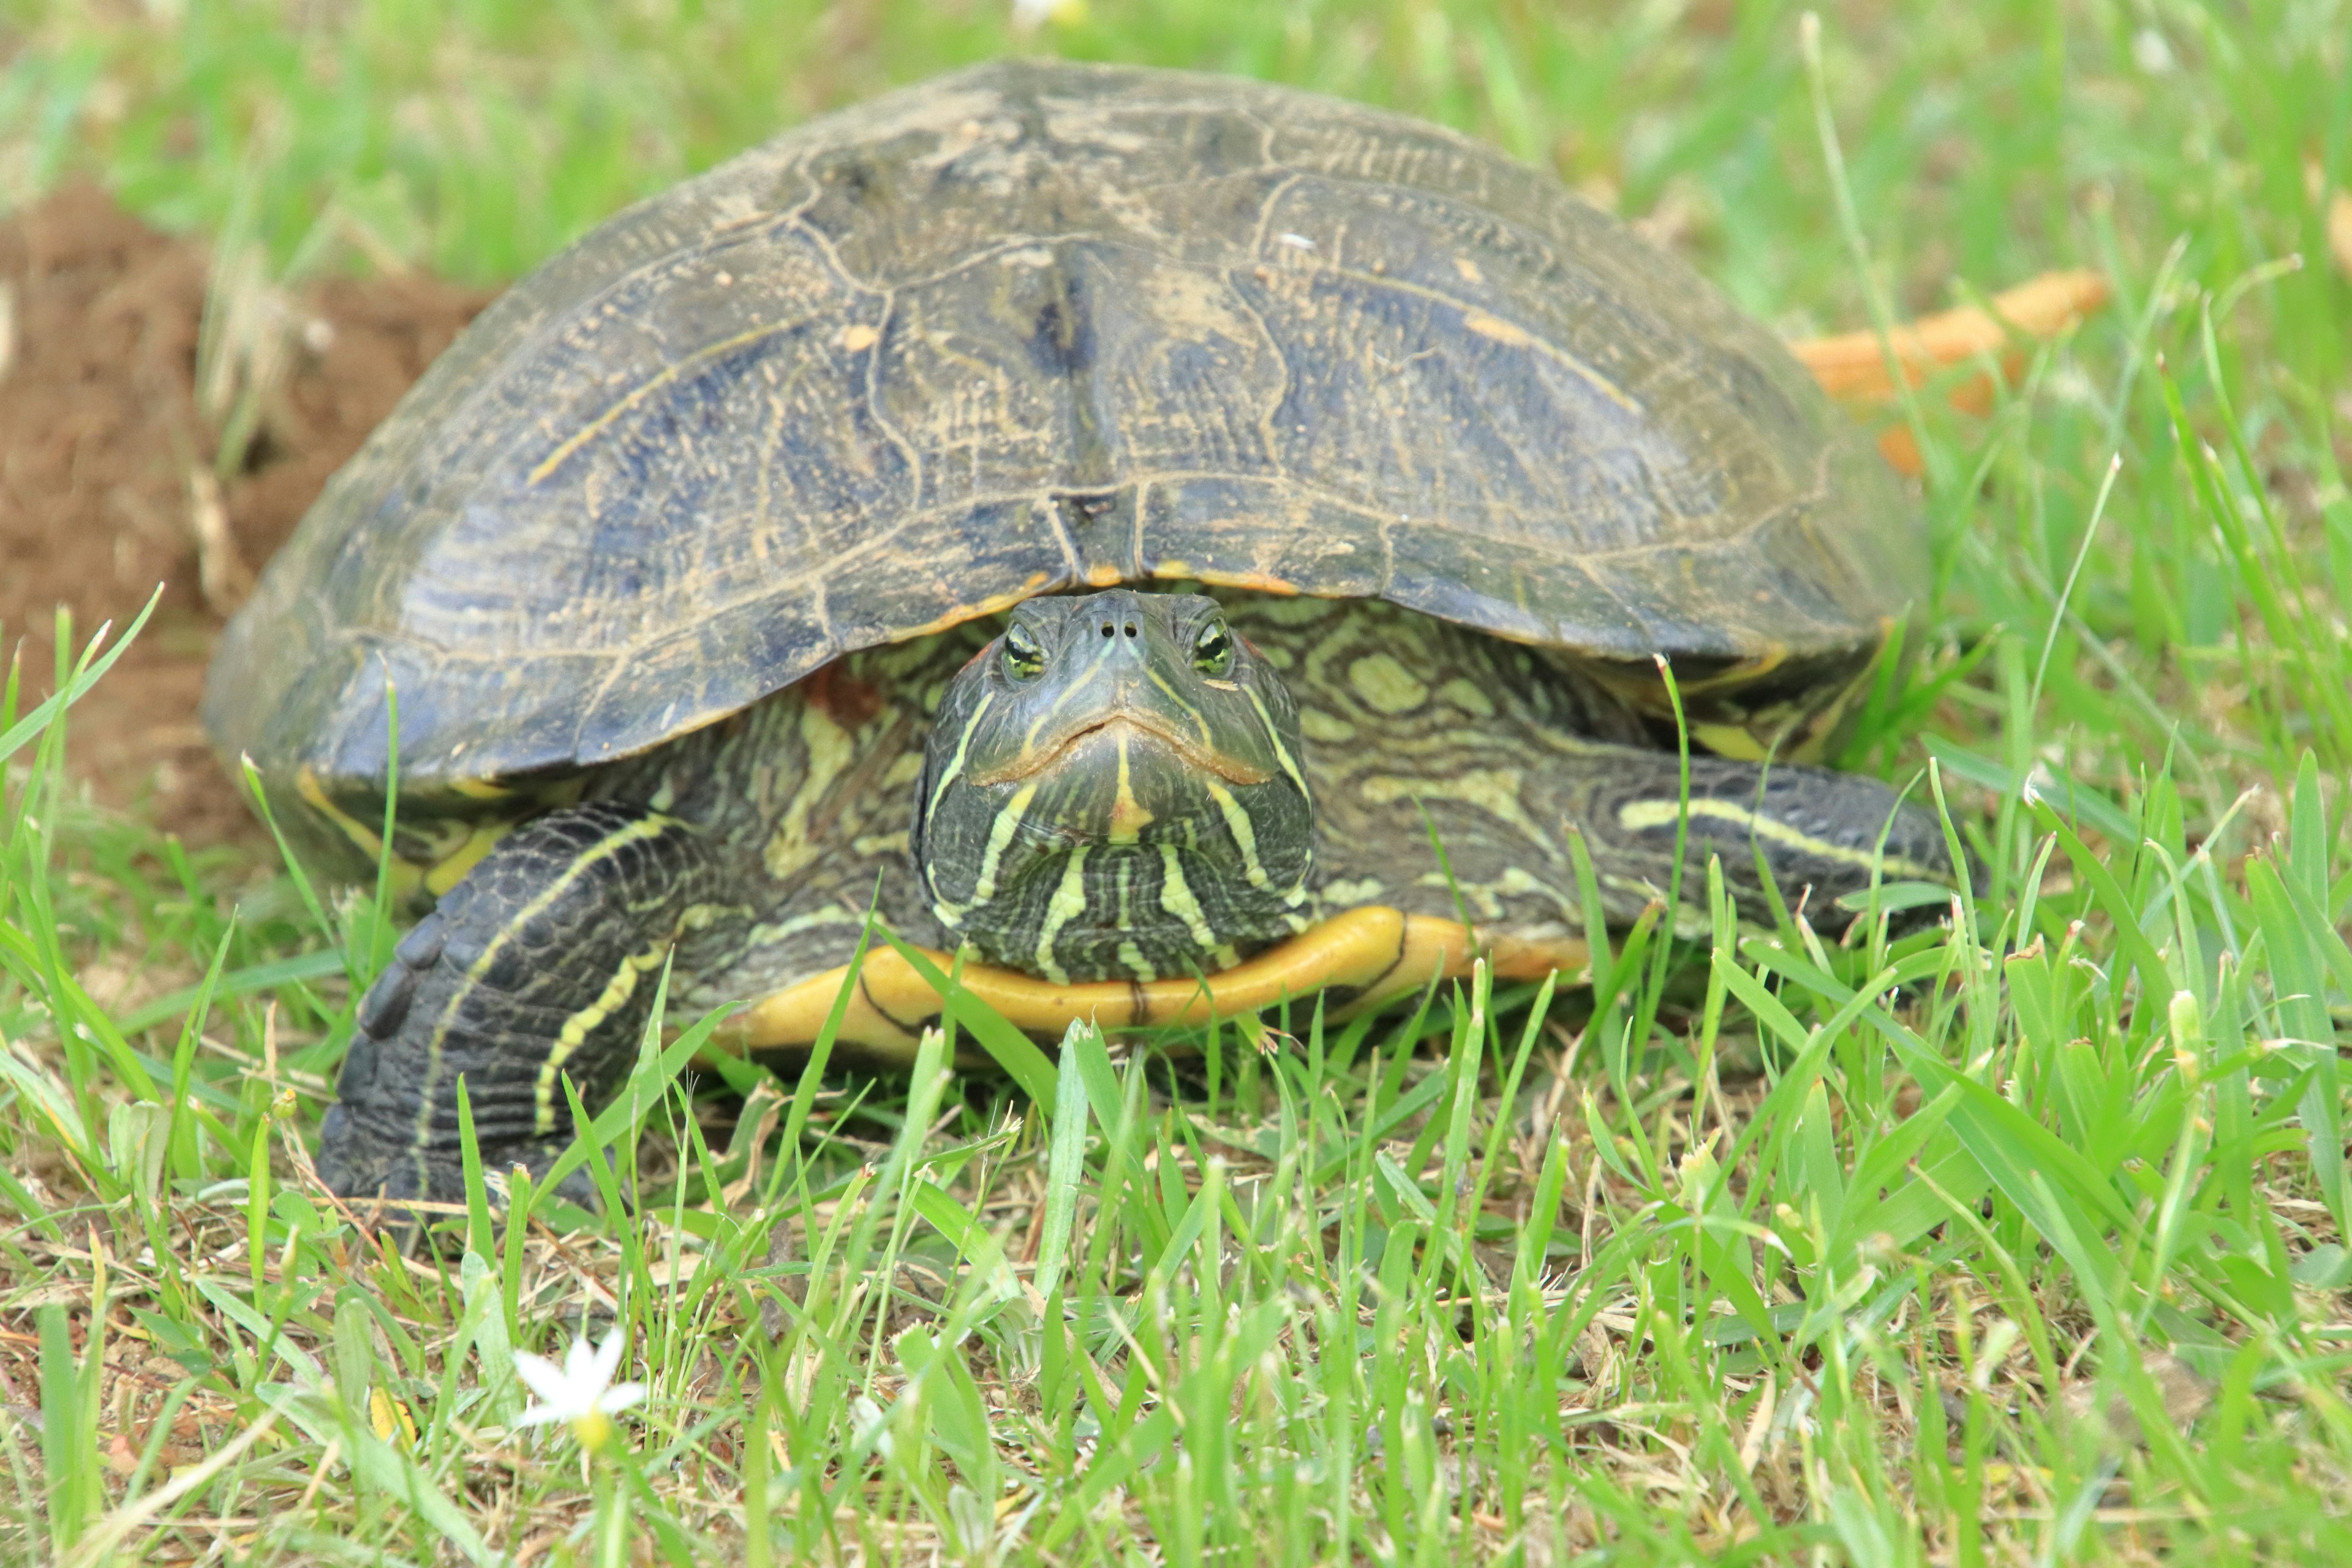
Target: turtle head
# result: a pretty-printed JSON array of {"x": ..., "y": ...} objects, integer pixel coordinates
[{"x": 1112, "y": 789}]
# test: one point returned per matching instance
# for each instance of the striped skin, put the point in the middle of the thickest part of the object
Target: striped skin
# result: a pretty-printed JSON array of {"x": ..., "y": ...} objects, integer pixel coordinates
[
  {"x": 1113, "y": 790},
  {"x": 1417, "y": 729},
  {"x": 754, "y": 849},
  {"x": 540, "y": 963}
]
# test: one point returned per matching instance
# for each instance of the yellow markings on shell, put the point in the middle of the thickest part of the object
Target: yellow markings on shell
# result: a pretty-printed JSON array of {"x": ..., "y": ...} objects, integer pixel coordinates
[
  {"x": 1102, "y": 575},
  {"x": 1176, "y": 898},
  {"x": 1328, "y": 727},
  {"x": 1068, "y": 903},
  {"x": 831, "y": 751},
  {"x": 1258, "y": 582},
  {"x": 1495, "y": 330},
  {"x": 1238, "y": 824},
  {"x": 1469, "y": 270},
  {"x": 647, "y": 388},
  {"x": 1129, "y": 815},
  {"x": 970, "y": 612},
  {"x": 1000, "y": 836},
  {"x": 1385, "y": 685},
  {"x": 858, "y": 337},
  {"x": 1132, "y": 956},
  {"x": 1508, "y": 333},
  {"x": 1465, "y": 695},
  {"x": 1379, "y": 954},
  {"x": 1636, "y": 815},
  {"x": 1176, "y": 569},
  {"x": 581, "y": 1024}
]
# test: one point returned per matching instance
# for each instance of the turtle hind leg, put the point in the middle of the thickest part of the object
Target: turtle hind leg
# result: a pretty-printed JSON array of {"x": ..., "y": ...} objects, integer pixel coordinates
[
  {"x": 538, "y": 965},
  {"x": 1819, "y": 834}
]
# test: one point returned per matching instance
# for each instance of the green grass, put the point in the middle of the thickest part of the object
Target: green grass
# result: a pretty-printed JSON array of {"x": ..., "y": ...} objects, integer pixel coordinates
[{"x": 2024, "y": 1242}]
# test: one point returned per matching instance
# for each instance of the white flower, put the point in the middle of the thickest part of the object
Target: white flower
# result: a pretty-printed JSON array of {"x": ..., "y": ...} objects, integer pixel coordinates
[
  {"x": 1028, "y": 15},
  {"x": 873, "y": 1424},
  {"x": 581, "y": 1391}
]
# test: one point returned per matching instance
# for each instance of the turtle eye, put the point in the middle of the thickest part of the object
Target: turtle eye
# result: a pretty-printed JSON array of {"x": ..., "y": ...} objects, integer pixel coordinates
[
  {"x": 1212, "y": 650},
  {"x": 1024, "y": 662}
]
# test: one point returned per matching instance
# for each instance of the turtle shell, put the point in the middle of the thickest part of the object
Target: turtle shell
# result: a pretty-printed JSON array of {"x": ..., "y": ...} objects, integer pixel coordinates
[{"x": 1039, "y": 325}]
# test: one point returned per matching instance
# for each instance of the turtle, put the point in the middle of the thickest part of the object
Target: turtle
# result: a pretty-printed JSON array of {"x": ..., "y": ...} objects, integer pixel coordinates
[{"x": 1166, "y": 544}]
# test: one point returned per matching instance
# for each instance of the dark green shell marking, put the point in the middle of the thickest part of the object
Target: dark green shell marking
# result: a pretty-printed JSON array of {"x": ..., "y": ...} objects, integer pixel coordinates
[{"x": 1038, "y": 326}]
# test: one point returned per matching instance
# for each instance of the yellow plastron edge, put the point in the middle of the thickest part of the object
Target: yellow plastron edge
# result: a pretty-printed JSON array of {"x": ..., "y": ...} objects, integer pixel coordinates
[{"x": 1377, "y": 954}]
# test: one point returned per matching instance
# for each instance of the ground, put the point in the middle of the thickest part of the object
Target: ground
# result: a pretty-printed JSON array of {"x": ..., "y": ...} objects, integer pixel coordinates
[
  {"x": 2020, "y": 1241},
  {"x": 113, "y": 468}
]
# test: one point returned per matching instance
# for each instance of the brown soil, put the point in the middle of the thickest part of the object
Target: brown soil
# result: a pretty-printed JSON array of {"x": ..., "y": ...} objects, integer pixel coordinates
[{"x": 107, "y": 458}]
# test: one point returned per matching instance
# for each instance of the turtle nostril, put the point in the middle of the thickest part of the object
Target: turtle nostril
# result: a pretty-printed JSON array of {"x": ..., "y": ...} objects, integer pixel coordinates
[
  {"x": 1130, "y": 629},
  {"x": 1106, "y": 629}
]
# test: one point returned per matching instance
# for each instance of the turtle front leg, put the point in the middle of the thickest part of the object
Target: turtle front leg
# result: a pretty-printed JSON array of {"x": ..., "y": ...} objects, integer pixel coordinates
[
  {"x": 1821, "y": 835},
  {"x": 540, "y": 965}
]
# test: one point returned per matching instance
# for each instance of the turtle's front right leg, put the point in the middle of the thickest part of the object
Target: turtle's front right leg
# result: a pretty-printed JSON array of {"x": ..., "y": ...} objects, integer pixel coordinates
[{"x": 540, "y": 965}]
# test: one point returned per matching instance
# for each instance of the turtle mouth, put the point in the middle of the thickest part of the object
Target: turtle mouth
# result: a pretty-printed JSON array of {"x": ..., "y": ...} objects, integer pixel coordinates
[{"x": 1122, "y": 728}]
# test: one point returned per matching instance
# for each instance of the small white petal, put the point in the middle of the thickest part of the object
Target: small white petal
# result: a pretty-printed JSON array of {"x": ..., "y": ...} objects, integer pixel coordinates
[
  {"x": 579, "y": 1362},
  {"x": 541, "y": 1416},
  {"x": 621, "y": 1397},
  {"x": 608, "y": 1358},
  {"x": 543, "y": 1377}
]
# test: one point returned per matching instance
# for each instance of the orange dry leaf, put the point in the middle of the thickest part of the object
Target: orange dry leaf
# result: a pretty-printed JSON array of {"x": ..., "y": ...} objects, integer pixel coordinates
[
  {"x": 1852, "y": 366},
  {"x": 2339, "y": 214}
]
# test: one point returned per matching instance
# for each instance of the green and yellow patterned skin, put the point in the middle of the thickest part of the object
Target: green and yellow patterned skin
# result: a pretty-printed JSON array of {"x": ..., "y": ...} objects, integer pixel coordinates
[
  {"x": 744, "y": 572},
  {"x": 1115, "y": 790}
]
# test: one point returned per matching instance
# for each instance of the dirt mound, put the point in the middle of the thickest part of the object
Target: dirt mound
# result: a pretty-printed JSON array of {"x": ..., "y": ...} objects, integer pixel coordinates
[{"x": 108, "y": 457}]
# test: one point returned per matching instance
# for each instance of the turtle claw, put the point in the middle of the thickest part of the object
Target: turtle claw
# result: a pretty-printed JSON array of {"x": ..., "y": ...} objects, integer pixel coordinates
[{"x": 361, "y": 1169}]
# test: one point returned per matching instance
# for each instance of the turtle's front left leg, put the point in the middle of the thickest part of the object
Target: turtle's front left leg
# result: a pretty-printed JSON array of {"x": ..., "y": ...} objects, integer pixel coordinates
[
  {"x": 1820, "y": 836},
  {"x": 541, "y": 964}
]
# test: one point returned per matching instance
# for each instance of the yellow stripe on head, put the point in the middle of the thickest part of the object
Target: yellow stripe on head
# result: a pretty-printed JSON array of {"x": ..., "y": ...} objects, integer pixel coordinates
[
  {"x": 1238, "y": 824},
  {"x": 999, "y": 836},
  {"x": 954, "y": 769}
]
